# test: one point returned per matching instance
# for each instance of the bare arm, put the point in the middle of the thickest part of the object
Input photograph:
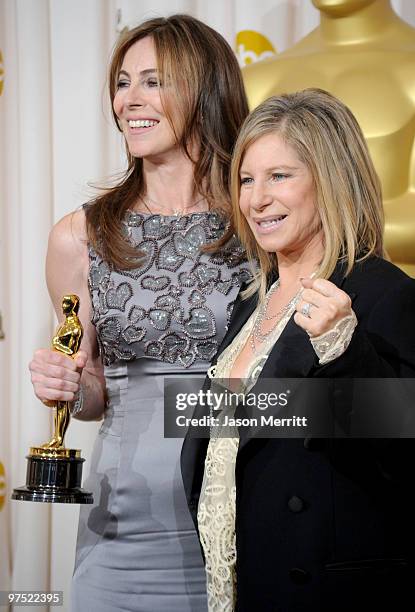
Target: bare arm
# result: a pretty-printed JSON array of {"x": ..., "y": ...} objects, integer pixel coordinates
[{"x": 54, "y": 375}]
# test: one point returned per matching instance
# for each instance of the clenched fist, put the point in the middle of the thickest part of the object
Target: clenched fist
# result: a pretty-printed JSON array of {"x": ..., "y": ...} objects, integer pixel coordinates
[
  {"x": 321, "y": 307},
  {"x": 55, "y": 376}
]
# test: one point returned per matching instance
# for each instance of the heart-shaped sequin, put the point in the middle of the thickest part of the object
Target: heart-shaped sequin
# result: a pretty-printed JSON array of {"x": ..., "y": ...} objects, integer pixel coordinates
[
  {"x": 97, "y": 273},
  {"x": 117, "y": 297},
  {"x": 154, "y": 349},
  {"x": 200, "y": 324},
  {"x": 159, "y": 318},
  {"x": 216, "y": 221},
  {"x": 168, "y": 258},
  {"x": 206, "y": 275},
  {"x": 206, "y": 350},
  {"x": 234, "y": 255},
  {"x": 180, "y": 223},
  {"x": 224, "y": 286},
  {"x": 134, "y": 219},
  {"x": 136, "y": 314},
  {"x": 148, "y": 249},
  {"x": 109, "y": 330},
  {"x": 196, "y": 297},
  {"x": 123, "y": 354},
  {"x": 174, "y": 346},
  {"x": 186, "y": 360},
  {"x": 133, "y": 334},
  {"x": 101, "y": 309},
  {"x": 154, "y": 227},
  {"x": 187, "y": 279},
  {"x": 217, "y": 259},
  {"x": 188, "y": 245},
  {"x": 178, "y": 315},
  {"x": 176, "y": 291},
  {"x": 167, "y": 301},
  {"x": 155, "y": 283}
]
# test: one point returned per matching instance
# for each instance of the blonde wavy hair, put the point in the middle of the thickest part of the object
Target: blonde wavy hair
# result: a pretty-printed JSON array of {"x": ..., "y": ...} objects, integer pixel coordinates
[{"x": 328, "y": 140}]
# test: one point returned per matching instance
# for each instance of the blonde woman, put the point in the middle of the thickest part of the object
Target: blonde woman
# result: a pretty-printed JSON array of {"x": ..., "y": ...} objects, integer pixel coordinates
[
  {"x": 308, "y": 524},
  {"x": 154, "y": 304}
]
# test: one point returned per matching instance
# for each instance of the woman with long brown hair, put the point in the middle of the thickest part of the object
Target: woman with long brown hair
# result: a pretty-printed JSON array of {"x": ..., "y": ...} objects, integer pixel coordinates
[{"x": 154, "y": 303}]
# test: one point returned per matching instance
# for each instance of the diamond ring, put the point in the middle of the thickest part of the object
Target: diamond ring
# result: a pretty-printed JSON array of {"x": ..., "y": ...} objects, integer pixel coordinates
[{"x": 305, "y": 309}]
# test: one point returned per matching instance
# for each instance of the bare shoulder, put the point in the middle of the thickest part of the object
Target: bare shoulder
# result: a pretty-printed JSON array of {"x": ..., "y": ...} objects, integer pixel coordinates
[
  {"x": 67, "y": 261},
  {"x": 68, "y": 236}
]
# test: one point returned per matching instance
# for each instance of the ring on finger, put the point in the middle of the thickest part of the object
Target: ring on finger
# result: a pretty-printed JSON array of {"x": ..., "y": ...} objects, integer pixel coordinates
[{"x": 305, "y": 309}]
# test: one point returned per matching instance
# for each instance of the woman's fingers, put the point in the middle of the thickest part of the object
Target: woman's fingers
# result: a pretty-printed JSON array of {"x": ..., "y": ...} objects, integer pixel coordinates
[
  {"x": 55, "y": 376},
  {"x": 321, "y": 285},
  {"x": 313, "y": 322},
  {"x": 322, "y": 305},
  {"x": 53, "y": 389},
  {"x": 324, "y": 288},
  {"x": 51, "y": 357},
  {"x": 58, "y": 372},
  {"x": 58, "y": 384},
  {"x": 313, "y": 297}
]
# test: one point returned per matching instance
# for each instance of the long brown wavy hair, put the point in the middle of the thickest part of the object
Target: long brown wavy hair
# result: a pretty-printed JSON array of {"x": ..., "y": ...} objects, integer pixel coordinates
[{"x": 208, "y": 92}]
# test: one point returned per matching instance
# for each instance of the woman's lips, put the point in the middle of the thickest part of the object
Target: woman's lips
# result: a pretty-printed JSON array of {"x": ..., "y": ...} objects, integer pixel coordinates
[
  {"x": 141, "y": 126},
  {"x": 267, "y": 226}
]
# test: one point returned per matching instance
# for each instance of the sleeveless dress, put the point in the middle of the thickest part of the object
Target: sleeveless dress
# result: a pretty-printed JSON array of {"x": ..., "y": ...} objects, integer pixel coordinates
[{"x": 137, "y": 549}]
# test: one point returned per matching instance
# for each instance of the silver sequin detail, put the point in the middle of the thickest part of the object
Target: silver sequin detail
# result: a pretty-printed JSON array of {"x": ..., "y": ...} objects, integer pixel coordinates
[{"x": 167, "y": 308}]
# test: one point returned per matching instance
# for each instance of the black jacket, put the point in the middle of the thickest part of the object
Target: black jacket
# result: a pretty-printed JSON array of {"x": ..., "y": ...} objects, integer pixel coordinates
[{"x": 327, "y": 525}]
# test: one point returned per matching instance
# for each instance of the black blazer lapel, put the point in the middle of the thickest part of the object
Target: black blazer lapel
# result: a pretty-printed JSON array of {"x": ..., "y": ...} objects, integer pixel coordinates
[{"x": 293, "y": 355}]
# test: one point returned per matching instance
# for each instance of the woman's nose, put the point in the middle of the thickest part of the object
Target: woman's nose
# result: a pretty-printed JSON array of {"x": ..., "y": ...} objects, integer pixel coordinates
[
  {"x": 134, "y": 96},
  {"x": 260, "y": 196}
]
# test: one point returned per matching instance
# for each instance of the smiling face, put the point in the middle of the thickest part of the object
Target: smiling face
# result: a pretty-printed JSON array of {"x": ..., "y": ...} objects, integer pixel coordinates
[
  {"x": 277, "y": 198},
  {"x": 138, "y": 105}
]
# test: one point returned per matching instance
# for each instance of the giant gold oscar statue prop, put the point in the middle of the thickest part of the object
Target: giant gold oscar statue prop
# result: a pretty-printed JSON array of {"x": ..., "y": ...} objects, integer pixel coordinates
[
  {"x": 54, "y": 472},
  {"x": 364, "y": 54}
]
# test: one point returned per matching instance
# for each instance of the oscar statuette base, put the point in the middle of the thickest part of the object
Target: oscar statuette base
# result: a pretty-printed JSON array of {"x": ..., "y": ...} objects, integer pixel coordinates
[{"x": 53, "y": 475}]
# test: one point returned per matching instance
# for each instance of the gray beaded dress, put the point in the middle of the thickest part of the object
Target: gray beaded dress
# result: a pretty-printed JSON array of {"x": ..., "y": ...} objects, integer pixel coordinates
[{"x": 137, "y": 549}]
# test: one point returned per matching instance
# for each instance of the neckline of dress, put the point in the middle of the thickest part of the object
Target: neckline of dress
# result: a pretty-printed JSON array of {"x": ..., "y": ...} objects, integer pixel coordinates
[{"x": 176, "y": 217}]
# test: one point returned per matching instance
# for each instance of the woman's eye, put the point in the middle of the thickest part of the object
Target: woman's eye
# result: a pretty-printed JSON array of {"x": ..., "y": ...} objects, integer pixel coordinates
[
  {"x": 152, "y": 82},
  {"x": 246, "y": 180},
  {"x": 122, "y": 83},
  {"x": 278, "y": 176}
]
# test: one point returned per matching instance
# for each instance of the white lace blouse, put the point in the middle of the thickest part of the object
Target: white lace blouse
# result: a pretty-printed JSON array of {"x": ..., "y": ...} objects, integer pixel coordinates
[{"x": 216, "y": 511}]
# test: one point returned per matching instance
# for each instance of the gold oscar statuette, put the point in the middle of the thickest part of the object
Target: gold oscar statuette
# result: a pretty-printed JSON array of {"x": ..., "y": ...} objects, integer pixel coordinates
[{"x": 54, "y": 472}]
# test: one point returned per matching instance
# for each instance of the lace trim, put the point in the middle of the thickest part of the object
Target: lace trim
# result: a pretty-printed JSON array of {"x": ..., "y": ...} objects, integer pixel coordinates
[
  {"x": 216, "y": 521},
  {"x": 216, "y": 511},
  {"x": 332, "y": 344}
]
